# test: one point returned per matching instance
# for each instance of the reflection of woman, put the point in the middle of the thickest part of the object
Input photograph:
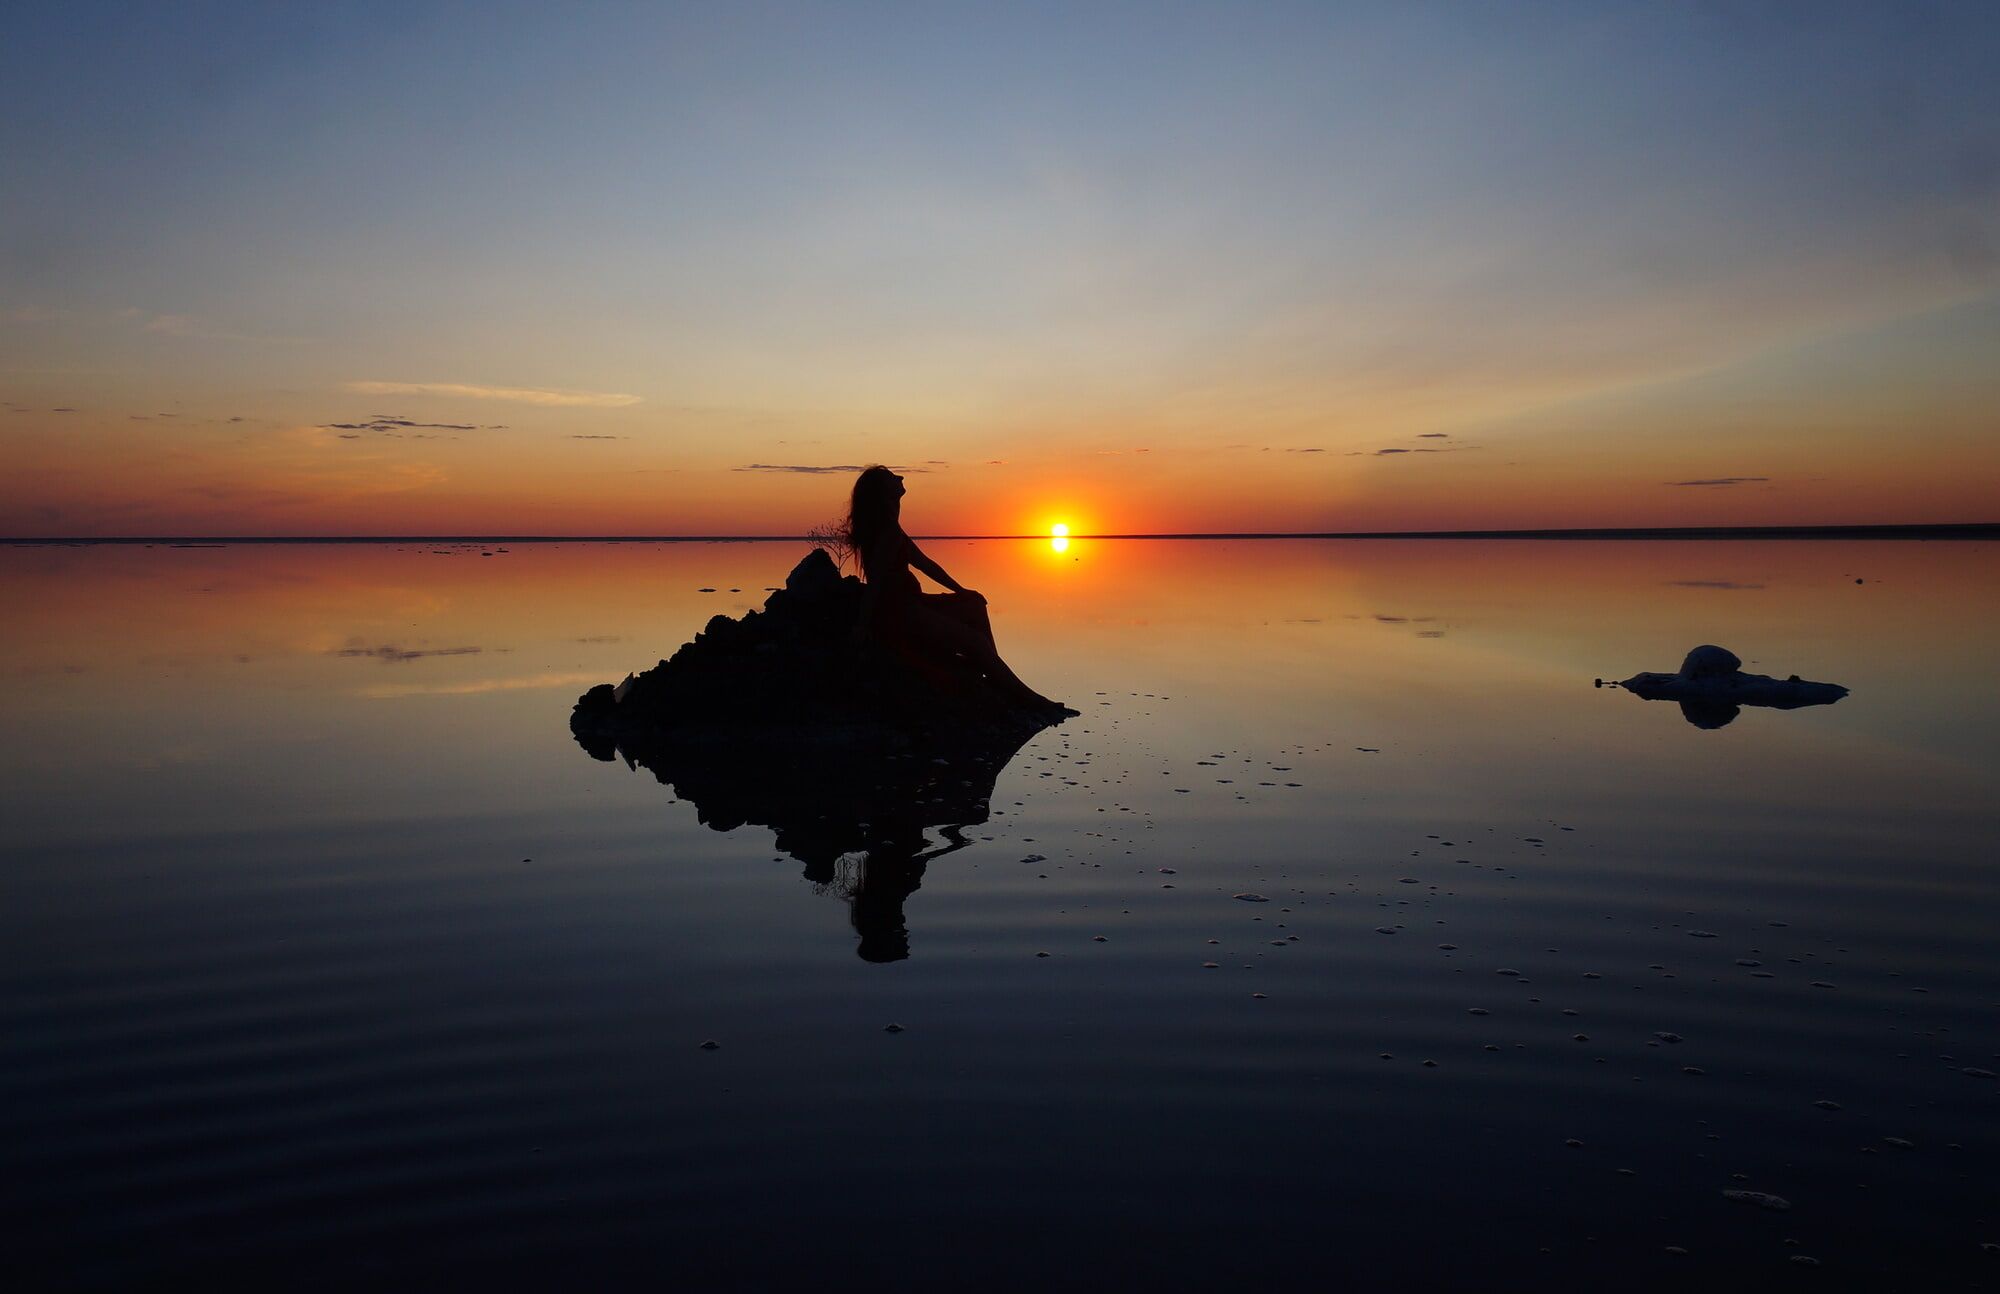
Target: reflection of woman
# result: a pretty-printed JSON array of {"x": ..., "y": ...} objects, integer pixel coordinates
[{"x": 929, "y": 628}]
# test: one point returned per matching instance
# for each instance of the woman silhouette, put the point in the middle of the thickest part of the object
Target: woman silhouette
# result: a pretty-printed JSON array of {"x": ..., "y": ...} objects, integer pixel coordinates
[{"x": 926, "y": 627}]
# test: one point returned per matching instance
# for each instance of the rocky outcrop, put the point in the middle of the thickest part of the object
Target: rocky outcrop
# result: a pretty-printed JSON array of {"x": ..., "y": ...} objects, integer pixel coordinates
[
  {"x": 783, "y": 720},
  {"x": 794, "y": 675},
  {"x": 1711, "y": 685}
]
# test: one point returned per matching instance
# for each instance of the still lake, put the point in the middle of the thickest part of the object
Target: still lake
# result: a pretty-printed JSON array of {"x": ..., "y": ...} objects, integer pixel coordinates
[{"x": 327, "y": 956}]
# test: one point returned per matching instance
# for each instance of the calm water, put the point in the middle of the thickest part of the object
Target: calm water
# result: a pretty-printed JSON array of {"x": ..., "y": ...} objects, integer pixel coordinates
[{"x": 329, "y": 956}]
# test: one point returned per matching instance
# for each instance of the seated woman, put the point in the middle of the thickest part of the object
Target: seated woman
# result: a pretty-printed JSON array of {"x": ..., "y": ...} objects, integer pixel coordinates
[{"x": 931, "y": 629}]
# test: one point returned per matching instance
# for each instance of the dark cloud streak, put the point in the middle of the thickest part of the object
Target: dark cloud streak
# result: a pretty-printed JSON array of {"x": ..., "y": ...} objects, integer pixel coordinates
[
  {"x": 816, "y": 470},
  {"x": 393, "y": 425}
]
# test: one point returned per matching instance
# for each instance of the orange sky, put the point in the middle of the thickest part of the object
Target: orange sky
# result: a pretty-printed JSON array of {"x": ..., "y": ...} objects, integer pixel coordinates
[{"x": 1649, "y": 267}]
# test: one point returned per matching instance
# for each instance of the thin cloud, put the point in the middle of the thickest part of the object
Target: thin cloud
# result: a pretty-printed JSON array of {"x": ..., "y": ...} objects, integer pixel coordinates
[
  {"x": 388, "y": 652},
  {"x": 1711, "y": 584},
  {"x": 1720, "y": 480},
  {"x": 190, "y": 326},
  {"x": 394, "y": 425},
  {"x": 578, "y": 436},
  {"x": 818, "y": 470},
  {"x": 1433, "y": 435},
  {"x": 519, "y": 394}
]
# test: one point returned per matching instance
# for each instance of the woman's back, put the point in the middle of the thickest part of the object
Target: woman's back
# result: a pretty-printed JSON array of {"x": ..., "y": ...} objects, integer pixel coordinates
[{"x": 885, "y": 562}]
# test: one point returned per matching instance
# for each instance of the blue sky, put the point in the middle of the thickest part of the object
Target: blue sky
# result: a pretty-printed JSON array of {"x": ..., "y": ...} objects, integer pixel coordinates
[{"x": 1004, "y": 232}]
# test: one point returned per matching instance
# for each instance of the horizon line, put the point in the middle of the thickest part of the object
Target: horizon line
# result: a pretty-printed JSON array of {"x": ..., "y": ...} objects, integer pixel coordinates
[{"x": 1946, "y": 530}]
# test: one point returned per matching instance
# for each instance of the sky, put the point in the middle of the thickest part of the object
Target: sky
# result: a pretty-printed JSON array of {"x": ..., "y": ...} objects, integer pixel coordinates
[{"x": 644, "y": 269}]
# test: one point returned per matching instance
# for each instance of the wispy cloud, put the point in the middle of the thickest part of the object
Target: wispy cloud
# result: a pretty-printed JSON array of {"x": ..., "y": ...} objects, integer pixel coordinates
[
  {"x": 818, "y": 470},
  {"x": 394, "y": 425},
  {"x": 520, "y": 394},
  {"x": 389, "y": 652},
  {"x": 1720, "y": 480},
  {"x": 192, "y": 326}
]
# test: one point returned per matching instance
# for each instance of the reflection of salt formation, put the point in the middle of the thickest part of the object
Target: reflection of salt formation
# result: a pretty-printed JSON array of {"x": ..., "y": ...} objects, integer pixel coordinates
[
  {"x": 857, "y": 818},
  {"x": 1711, "y": 687},
  {"x": 774, "y": 720}
]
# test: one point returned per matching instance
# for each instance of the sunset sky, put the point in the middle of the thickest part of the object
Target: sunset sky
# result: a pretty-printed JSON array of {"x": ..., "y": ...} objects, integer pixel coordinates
[{"x": 582, "y": 269}]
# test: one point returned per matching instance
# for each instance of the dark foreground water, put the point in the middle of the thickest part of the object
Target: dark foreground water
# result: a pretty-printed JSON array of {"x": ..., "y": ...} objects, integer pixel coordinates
[{"x": 327, "y": 958}]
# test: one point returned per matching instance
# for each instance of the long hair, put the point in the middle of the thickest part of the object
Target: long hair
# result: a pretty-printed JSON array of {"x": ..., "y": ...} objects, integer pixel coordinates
[{"x": 871, "y": 512}]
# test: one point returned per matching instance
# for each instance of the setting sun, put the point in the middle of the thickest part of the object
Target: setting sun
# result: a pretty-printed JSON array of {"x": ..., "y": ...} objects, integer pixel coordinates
[{"x": 1059, "y": 530}]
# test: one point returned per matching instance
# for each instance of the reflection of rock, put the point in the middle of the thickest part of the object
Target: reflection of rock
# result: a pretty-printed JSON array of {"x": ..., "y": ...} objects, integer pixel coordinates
[
  {"x": 1711, "y": 687},
  {"x": 775, "y": 720},
  {"x": 856, "y": 817}
]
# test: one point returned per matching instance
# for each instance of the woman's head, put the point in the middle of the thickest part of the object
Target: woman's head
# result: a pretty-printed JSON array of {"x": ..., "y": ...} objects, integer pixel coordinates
[{"x": 877, "y": 502}]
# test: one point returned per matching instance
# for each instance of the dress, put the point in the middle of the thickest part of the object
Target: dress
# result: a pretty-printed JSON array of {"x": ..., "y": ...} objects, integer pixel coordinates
[{"x": 905, "y": 617}]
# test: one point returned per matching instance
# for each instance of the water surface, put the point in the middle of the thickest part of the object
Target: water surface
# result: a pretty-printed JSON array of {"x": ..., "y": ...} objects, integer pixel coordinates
[{"x": 330, "y": 956}]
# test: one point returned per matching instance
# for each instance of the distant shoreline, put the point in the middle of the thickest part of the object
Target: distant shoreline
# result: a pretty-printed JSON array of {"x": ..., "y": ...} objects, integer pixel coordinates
[{"x": 1971, "y": 530}]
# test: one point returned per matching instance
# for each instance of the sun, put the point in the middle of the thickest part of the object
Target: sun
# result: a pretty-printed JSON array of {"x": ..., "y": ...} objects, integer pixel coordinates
[{"x": 1059, "y": 536}]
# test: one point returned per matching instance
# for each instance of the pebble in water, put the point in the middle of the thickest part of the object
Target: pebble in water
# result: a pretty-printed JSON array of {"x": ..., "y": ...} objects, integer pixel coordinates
[
  {"x": 710, "y": 1045},
  {"x": 892, "y": 1028},
  {"x": 1762, "y": 1199},
  {"x": 1250, "y": 898}
]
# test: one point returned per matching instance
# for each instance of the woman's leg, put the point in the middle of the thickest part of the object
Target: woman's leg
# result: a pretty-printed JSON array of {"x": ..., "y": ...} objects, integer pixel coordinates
[{"x": 947, "y": 628}]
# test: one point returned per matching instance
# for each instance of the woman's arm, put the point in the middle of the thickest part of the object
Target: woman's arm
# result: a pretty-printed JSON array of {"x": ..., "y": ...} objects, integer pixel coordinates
[{"x": 923, "y": 562}]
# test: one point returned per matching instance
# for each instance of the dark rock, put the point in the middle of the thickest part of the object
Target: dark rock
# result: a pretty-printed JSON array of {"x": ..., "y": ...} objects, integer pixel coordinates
[
  {"x": 795, "y": 674},
  {"x": 782, "y": 720},
  {"x": 1711, "y": 687}
]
